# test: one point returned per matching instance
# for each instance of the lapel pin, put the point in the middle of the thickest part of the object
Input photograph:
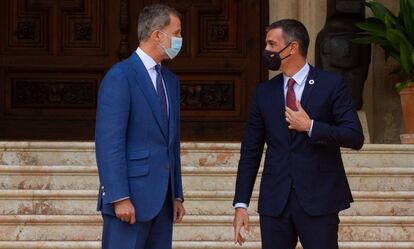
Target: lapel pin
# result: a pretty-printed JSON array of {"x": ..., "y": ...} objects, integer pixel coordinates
[{"x": 311, "y": 82}]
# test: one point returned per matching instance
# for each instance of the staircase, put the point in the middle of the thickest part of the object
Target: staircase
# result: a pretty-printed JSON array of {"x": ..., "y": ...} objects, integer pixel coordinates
[{"x": 48, "y": 197}]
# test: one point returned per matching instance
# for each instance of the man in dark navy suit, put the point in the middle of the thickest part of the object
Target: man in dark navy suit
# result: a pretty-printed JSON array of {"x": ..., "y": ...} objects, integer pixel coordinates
[{"x": 304, "y": 115}]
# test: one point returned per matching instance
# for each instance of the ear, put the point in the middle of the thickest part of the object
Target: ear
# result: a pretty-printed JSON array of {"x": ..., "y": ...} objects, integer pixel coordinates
[
  {"x": 294, "y": 47},
  {"x": 156, "y": 35}
]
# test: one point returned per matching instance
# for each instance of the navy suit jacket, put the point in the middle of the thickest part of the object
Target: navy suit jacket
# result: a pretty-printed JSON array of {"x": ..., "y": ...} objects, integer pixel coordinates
[
  {"x": 313, "y": 165},
  {"x": 135, "y": 156}
]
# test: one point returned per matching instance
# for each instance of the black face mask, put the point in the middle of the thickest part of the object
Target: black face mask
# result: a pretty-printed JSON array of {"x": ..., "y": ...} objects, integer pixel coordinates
[{"x": 272, "y": 59}]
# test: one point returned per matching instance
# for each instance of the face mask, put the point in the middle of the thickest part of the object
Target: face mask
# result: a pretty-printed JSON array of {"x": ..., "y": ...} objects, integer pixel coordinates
[
  {"x": 272, "y": 59},
  {"x": 174, "y": 49}
]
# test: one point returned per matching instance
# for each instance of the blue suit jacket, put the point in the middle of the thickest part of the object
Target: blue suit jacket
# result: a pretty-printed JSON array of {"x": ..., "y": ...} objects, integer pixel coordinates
[
  {"x": 312, "y": 164},
  {"x": 135, "y": 156}
]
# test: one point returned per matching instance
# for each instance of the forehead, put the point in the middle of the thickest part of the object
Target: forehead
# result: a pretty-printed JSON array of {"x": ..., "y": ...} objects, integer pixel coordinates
[
  {"x": 174, "y": 21},
  {"x": 275, "y": 35}
]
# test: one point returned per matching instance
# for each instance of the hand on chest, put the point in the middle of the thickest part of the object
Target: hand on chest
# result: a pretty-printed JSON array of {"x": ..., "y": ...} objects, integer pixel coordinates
[{"x": 315, "y": 100}]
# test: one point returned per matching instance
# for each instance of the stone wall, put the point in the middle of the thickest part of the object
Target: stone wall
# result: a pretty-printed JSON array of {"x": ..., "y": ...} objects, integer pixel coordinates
[{"x": 381, "y": 101}]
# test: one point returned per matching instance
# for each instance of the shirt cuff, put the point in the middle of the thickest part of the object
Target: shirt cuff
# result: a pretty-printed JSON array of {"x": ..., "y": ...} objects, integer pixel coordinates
[
  {"x": 310, "y": 130},
  {"x": 240, "y": 205},
  {"x": 121, "y": 199},
  {"x": 179, "y": 199}
]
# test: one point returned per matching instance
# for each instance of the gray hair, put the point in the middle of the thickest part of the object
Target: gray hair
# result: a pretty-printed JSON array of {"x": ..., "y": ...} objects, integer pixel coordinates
[{"x": 153, "y": 17}]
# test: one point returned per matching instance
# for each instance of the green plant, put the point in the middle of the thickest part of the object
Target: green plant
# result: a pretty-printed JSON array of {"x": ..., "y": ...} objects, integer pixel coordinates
[{"x": 395, "y": 34}]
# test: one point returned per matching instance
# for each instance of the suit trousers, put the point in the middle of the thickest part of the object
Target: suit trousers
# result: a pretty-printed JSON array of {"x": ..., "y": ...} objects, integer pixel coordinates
[
  {"x": 153, "y": 234},
  {"x": 314, "y": 232}
]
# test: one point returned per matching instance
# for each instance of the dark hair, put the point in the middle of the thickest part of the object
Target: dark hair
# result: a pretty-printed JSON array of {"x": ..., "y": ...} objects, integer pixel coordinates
[
  {"x": 153, "y": 17},
  {"x": 293, "y": 30}
]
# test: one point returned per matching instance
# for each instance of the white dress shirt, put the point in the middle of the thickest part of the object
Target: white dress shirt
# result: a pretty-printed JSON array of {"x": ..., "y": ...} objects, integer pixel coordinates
[{"x": 300, "y": 79}]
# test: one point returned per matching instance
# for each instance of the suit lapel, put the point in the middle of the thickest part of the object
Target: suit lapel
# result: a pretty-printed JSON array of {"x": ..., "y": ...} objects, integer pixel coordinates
[
  {"x": 145, "y": 84},
  {"x": 169, "y": 83},
  {"x": 309, "y": 85},
  {"x": 307, "y": 92},
  {"x": 279, "y": 111}
]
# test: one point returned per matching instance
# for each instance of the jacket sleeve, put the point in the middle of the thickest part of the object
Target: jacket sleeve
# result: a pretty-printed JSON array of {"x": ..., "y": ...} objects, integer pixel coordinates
[
  {"x": 250, "y": 154},
  {"x": 110, "y": 135},
  {"x": 345, "y": 130}
]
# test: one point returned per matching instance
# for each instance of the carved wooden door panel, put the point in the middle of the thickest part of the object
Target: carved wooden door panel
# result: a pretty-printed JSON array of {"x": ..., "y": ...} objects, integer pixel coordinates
[
  {"x": 53, "y": 54},
  {"x": 220, "y": 64}
]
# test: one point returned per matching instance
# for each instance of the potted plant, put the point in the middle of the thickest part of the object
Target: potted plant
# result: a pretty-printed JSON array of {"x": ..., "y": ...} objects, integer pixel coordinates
[{"x": 395, "y": 34}]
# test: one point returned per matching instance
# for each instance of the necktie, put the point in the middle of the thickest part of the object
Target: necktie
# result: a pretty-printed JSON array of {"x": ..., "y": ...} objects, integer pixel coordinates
[
  {"x": 162, "y": 96},
  {"x": 291, "y": 96}
]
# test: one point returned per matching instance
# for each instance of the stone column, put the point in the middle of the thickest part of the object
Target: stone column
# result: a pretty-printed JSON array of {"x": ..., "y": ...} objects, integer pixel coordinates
[{"x": 312, "y": 13}]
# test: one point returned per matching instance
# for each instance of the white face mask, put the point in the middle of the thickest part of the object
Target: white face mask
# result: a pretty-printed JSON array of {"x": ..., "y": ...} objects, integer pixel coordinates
[{"x": 175, "y": 47}]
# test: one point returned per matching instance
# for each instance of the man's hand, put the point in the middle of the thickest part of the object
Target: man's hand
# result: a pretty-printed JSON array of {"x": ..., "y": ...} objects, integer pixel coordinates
[
  {"x": 179, "y": 211},
  {"x": 125, "y": 211},
  {"x": 241, "y": 219},
  {"x": 298, "y": 120}
]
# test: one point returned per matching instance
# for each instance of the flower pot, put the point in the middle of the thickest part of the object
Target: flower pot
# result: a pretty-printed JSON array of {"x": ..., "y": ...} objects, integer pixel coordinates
[{"x": 407, "y": 104}]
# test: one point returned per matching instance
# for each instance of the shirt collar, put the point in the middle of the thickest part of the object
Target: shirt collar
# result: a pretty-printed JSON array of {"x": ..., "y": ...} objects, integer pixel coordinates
[
  {"x": 148, "y": 62},
  {"x": 300, "y": 76}
]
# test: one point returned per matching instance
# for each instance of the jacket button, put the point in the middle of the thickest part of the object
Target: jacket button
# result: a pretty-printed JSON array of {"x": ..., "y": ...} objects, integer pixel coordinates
[
  {"x": 102, "y": 187},
  {"x": 103, "y": 194}
]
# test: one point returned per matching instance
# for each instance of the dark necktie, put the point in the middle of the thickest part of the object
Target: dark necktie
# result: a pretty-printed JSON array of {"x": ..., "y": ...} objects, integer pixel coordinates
[
  {"x": 162, "y": 96},
  {"x": 291, "y": 96},
  {"x": 291, "y": 100}
]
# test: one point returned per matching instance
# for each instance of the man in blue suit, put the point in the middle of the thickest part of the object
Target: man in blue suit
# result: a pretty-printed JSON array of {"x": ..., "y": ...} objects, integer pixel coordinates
[
  {"x": 304, "y": 115},
  {"x": 138, "y": 139}
]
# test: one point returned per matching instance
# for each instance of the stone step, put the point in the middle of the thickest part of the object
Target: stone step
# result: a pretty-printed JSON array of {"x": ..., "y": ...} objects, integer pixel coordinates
[
  {"x": 190, "y": 245},
  {"x": 366, "y": 203},
  {"x": 193, "y": 228},
  {"x": 193, "y": 154},
  {"x": 55, "y": 206},
  {"x": 360, "y": 178},
  {"x": 194, "y": 178},
  {"x": 48, "y": 177},
  {"x": 83, "y": 202}
]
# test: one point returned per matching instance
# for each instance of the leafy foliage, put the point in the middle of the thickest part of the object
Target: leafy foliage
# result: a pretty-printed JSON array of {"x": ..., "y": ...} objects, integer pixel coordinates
[{"x": 395, "y": 34}]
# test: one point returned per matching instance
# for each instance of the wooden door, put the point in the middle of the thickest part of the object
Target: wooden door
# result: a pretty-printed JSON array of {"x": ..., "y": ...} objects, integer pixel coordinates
[
  {"x": 219, "y": 66},
  {"x": 53, "y": 54}
]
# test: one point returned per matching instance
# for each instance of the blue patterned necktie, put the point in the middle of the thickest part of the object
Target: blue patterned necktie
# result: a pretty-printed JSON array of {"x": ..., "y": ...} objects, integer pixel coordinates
[{"x": 162, "y": 96}]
